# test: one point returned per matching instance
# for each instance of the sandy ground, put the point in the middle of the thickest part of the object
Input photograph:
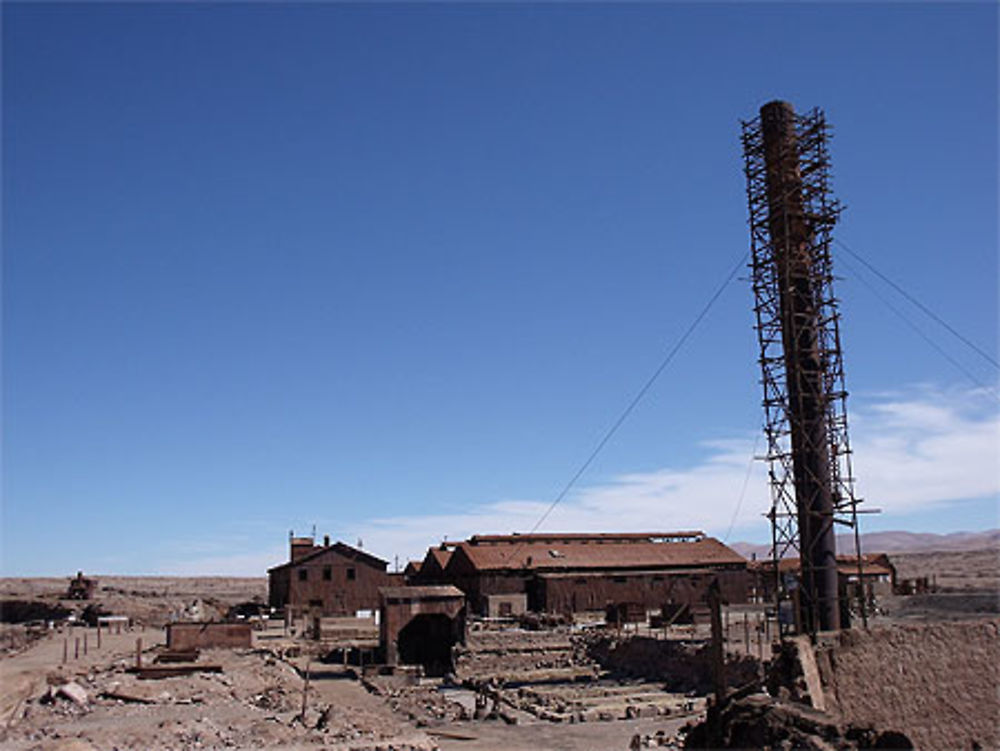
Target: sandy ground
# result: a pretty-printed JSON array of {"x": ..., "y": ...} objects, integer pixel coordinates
[
  {"x": 960, "y": 571},
  {"x": 149, "y": 599}
]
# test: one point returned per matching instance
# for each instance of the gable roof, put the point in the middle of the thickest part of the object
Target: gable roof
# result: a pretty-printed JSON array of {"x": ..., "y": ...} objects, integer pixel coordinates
[
  {"x": 341, "y": 549},
  {"x": 435, "y": 561},
  {"x": 412, "y": 568},
  {"x": 607, "y": 555}
]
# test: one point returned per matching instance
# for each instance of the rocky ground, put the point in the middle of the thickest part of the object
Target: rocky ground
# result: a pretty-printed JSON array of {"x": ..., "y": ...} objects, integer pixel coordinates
[
  {"x": 259, "y": 698},
  {"x": 516, "y": 690}
]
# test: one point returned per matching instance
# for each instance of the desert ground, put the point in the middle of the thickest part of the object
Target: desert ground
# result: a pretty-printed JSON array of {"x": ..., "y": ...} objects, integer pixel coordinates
[{"x": 511, "y": 689}]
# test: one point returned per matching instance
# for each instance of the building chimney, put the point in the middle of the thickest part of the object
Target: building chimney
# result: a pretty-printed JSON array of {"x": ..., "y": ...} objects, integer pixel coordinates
[
  {"x": 326, "y": 541},
  {"x": 301, "y": 547}
]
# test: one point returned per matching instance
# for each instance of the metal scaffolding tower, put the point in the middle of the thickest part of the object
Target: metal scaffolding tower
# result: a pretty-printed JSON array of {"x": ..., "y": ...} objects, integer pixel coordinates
[{"x": 792, "y": 215}]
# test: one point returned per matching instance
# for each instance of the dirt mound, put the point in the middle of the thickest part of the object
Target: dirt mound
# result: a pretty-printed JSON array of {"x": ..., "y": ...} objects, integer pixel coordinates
[{"x": 939, "y": 681}]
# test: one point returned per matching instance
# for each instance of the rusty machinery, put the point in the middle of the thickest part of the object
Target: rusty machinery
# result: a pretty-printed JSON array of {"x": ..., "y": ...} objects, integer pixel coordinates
[{"x": 792, "y": 215}]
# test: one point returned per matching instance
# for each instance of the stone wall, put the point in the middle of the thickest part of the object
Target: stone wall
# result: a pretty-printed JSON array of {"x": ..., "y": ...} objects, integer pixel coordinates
[{"x": 185, "y": 636}]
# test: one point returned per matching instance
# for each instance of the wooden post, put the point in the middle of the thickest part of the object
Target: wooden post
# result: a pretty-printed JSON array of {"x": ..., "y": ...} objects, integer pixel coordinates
[
  {"x": 85, "y": 640},
  {"x": 305, "y": 690},
  {"x": 717, "y": 650},
  {"x": 76, "y": 647},
  {"x": 760, "y": 636},
  {"x": 98, "y": 634},
  {"x": 138, "y": 653},
  {"x": 65, "y": 650},
  {"x": 746, "y": 633}
]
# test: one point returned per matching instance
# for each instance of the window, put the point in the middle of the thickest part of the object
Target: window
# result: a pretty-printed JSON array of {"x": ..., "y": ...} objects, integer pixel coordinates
[
  {"x": 351, "y": 574},
  {"x": 303, "y": 574},
  {"x": 505, "y": 610},
  {"x": 327, "y": 573}
]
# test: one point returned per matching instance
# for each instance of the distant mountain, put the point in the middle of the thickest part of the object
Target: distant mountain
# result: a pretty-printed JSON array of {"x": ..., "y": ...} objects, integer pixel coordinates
[{"x": 896, "y": 542}]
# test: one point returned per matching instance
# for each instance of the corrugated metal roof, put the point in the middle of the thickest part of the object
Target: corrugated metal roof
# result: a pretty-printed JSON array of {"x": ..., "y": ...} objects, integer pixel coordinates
[{"x": 578, "y": 555}]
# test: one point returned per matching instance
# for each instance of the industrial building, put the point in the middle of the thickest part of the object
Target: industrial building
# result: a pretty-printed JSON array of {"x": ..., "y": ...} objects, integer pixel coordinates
[
  {"x": 875, "y": 572},
  {"x": 327, "y": 580},
  {"x": 430, "y": 571},
  {"x": 566, "y": 573}
]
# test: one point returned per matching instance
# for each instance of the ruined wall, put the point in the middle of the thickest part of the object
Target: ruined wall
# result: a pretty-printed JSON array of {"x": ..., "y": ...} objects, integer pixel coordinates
[
  {"x": 278, "y": 583},
  {"x": 936, "y": 682},
  {"x": 184, "y": 636},
  {"x": 569, "y": 593}
]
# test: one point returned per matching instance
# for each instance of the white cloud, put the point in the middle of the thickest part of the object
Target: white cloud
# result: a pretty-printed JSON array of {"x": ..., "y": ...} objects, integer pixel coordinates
[
  {"x": 255, "y": 563},
  {"x": 914, "y": 449},
  {"x": 927, "y": 449}
]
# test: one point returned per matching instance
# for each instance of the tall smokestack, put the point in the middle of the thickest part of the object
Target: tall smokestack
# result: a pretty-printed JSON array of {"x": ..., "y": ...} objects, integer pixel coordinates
[{"x": 799, "y": 301}]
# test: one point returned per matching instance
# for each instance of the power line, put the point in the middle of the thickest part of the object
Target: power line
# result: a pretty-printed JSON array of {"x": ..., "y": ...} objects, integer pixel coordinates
[
  {"x": 902, "y": 316},
  {"x": 927, "y": 311},
  {"x": 743, "y": 490},
  {"x": 638, "y": 397}
]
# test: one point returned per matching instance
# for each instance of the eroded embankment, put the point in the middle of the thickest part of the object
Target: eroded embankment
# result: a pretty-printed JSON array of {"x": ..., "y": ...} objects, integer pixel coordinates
[{"x": 938, "y": 682}]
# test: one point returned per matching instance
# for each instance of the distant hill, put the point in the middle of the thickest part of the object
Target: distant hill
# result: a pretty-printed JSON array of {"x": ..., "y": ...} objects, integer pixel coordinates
[{"x": 896, "y": 542}]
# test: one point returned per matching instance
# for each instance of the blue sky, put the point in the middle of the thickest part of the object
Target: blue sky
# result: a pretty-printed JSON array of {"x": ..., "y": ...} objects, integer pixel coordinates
[{"x": 393, "y": 270}]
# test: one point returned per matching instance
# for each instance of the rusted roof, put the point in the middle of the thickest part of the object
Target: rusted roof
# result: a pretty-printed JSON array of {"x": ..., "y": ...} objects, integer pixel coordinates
[
  {"x": 442, "y": 556},
  {"x": 340, "y": 548},
  {"x": 578, "y": 555},
  {"x": 584, "y": 537},
  {"x": 421, "y": 593}
]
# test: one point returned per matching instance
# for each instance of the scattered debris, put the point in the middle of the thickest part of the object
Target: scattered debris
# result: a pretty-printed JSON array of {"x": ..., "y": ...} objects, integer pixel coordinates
[{"x": 153, "y": 672}]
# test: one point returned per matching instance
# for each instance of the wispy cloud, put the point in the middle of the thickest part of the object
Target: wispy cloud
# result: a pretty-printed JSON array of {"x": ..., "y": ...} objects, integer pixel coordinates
[
  {"x": 914, "y": 449},
  {"x": 918, "y": 448}
]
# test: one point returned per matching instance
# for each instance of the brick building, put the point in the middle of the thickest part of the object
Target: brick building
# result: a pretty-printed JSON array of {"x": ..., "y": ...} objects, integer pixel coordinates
[
  {"x": 565, "y": 573},
  {"x": 327, "y": 579},
  {"x": 430, "y": 571}
]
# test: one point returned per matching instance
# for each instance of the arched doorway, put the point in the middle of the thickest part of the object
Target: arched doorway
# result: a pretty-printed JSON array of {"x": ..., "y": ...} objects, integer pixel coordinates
[{"x": 427, "y": 640}]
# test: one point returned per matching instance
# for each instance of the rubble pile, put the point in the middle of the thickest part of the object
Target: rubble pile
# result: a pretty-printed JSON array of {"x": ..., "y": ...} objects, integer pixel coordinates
[
  {"x": 425, "y": 706},
  {"x": 682, "y": 667},
  {"x": 257, "y": 702},
  {"x": 765, "y": 723},
  {"x": 599, "y": 702}
]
